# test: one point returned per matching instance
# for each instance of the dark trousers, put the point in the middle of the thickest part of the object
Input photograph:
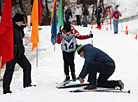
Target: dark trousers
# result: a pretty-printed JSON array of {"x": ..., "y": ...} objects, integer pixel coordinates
[
  {"x": 26, "y": 66},
  {"x": 67, "y": 19},
  {"x": 78, "y": 20},
  {"x": 105, "y": 71},
  {"x": 68, "y": 58},
  {"x": 98, "y": 21}
]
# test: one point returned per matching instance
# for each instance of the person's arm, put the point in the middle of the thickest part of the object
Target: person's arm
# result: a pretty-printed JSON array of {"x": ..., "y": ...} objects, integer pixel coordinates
[
  {"x": 71, "y": 13},
  {"x": 58, "y": 39},
  {"x": 88, "y": 59},
  {"x": 112, "y": 14},
  {"x": 101, "y": 11},
  {"x": 78, "y": 36}
]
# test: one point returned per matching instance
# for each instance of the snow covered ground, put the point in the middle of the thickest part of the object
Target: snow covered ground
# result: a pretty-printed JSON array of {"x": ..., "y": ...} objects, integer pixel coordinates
[{"x": 121, "y": 47}]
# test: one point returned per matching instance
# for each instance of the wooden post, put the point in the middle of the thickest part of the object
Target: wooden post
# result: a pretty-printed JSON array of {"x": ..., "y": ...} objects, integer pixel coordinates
[
  {"x": 110, "y": 19},
  {"x": 0, "y": 67},
  {"x": 54, "y": 43},
  {"x": 37, "y": 56}
]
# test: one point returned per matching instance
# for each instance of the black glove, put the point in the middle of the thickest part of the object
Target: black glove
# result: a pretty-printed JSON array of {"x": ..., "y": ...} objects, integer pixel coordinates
[
  {"x": 90, "y": 36},
  {"x": 59, "y": 33}
]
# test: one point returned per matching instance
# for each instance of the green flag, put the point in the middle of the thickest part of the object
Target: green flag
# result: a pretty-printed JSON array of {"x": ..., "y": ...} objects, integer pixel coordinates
[{"x": 60, "y": 17}]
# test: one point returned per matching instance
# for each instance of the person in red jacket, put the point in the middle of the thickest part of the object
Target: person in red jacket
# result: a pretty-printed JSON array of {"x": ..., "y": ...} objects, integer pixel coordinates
[{"x": 67, "y": 38}]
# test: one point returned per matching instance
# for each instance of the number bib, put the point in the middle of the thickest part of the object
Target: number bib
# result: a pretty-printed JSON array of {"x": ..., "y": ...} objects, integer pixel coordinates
[{"x": 68, "y": 42}]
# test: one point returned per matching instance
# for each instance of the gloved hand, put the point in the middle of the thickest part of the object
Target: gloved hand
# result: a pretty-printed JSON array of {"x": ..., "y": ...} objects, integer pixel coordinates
[
  {"x": 90, "y": 36},
  {"x": 59, "y": 33}
]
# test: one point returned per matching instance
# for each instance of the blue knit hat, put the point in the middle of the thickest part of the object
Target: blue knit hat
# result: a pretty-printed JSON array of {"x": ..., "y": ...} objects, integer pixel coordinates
[{"x": 116, "y": 6}]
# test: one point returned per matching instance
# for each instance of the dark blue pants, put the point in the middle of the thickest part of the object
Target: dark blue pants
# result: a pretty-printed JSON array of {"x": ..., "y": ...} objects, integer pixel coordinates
[{"x": 98, "y": 21}]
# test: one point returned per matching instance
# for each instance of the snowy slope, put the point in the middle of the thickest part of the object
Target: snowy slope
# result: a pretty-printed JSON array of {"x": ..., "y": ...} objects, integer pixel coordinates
[{"x": 122, "y": 48}]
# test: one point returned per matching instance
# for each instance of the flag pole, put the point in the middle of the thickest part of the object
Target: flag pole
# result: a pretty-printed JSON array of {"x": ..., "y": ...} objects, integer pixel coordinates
[
  {"x": 54, "y": 43},
  {"x": 37, "y": 56},
  {"x": 0, "y": 67}
]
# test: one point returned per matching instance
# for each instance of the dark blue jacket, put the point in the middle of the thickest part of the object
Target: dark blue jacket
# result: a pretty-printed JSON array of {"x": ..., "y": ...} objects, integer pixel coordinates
[
  {"x": 94, "y": 54},
  {"x": 98, "y": 12}
]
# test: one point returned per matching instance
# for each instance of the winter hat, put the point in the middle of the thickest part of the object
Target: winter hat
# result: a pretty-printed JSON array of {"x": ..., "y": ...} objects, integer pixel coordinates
[
  {"x": 98, "y": 4},
  {"x": 67, "y": 27},
  {"x": 18, "y": 17},
  {"x": 84, "y": 5},
  {"x": 116, "y": 6},
  {"x": 79, "y": 48}
]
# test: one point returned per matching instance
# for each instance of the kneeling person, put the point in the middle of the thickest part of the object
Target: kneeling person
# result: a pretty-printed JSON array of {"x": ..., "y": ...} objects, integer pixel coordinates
[{"x": 97, "y": 61}]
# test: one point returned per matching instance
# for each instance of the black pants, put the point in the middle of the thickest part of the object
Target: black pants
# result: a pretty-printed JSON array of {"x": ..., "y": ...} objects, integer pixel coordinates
[
  {"x": 105, "y": 71},
  {"x": 78, "y": 20},
  {"x": 67, "y": 20},
  {"x": 26, "y": 66},
  {"x": 98, "y": 21},
  {"x": 68, "y": 62}
]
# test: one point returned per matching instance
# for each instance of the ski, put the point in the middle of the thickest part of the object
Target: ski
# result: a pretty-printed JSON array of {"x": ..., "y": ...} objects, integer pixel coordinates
[
  {"x": 100, "y": 90},
  {"x": 66, "y": 82},
  {"x": 71, "y": 86}
]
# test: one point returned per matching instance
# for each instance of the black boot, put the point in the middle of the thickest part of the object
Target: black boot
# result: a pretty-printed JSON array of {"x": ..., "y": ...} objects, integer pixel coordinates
[
  {"x": 73, "y": 76},
  {"x": 67, "y": 78},
  {"x": 30, "y": 86},
  {"x": 91, "y": 87},
  {"x": 6, "y": 92}
]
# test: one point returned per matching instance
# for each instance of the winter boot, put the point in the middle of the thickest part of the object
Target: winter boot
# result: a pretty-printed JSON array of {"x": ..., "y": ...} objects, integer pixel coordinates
[
  {"x": 30, "y": 86},
  {"x": 67, "y": 78},
  {"x": 90, "y": 87},
  {"x": 6, "y": 92},
  {"x": 73, "y": 76},
  {"x": 120, "y": 84}
]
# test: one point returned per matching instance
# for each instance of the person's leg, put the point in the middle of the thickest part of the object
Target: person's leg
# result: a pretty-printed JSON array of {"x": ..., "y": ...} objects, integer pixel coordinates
[
  {"x": 80, "y": 20},
  {"x": 96, "y": 67},
  {"x": 117, "y": 25},
  {"x": 85, "y": 20},
  {"x": 77, "y": 16},
  {"x": 98, "y": 21},
  {"x": 66, "y": 65},
  {"x": 8, "y": 76},
  {"x": 114, "y": 23},
  {"x": 26, "y": 66},
  {"x": 103, "y": 81},
  {"x": 72, "y": 65},
  {"x": 105, "y": 72}
]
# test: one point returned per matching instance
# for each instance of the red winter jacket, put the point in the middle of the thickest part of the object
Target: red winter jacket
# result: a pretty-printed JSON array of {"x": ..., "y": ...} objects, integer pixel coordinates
[{"x": 76, "y": 33}]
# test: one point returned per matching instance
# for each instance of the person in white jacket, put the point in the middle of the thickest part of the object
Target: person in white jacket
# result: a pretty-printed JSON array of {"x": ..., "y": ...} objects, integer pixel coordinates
[{"x": 78, "y": 14}]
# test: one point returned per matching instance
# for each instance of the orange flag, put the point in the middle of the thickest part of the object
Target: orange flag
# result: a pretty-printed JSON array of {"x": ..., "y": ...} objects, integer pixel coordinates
[
  {"x": 52, "y": 13},
  {"x": 6, "y": 33},
  {"x": 34, "y": 21}
]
